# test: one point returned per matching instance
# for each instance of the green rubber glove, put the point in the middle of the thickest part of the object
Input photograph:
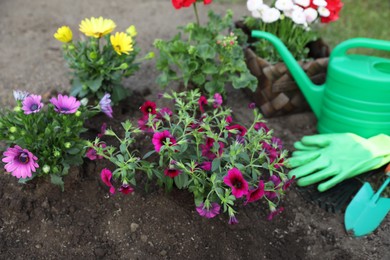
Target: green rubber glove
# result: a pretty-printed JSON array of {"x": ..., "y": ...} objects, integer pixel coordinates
[{"x": 336, "y": 157}]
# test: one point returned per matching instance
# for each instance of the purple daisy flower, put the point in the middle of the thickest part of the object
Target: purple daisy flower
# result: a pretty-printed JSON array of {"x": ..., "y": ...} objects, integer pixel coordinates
[
  {"x": 105, "y": 105},
  {"x": 65, "y": 104},
  {"x": 209, "y": 212},
  {"x": 32, "y": 104},
  {"x": 20, "y": 162}
]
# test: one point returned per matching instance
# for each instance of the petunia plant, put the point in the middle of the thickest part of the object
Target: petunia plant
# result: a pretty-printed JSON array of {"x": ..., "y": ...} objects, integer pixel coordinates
[
  {"x": 198, "y": 146},
  {"x": 206, "y": 57},
  {"x": 293, "y": 21},
  {"x": 45, "y": 139},
  {"x": 102, "y": 60}
]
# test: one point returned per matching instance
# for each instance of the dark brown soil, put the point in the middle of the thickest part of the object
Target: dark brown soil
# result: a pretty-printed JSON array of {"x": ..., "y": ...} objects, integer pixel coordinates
[{"x": 38, "y": 221}]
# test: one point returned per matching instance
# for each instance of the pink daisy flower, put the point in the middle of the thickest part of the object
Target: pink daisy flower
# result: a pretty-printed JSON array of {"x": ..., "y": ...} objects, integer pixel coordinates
[
  {"x": 32, "y": 104},
  {"x": 236, "y": 181},
  {"x": 65, "y": 104},
  {"x": 209, "y": 212},
  {"x": 20, "y": 162},
  {"x": 162, "y": 138}
]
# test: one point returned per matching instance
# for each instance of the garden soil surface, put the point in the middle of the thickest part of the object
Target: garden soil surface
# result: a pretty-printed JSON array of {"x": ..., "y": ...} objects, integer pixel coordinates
[{"x": 39, "y": 221}]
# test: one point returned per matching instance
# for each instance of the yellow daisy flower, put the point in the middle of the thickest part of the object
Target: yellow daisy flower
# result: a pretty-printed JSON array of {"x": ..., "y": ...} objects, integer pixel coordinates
[
  {"x": 97, "y": 27},
  {"x": 132, "y": 31},
  {"x": 122, "y": 43},
  {"x": 64, "y": 34}
]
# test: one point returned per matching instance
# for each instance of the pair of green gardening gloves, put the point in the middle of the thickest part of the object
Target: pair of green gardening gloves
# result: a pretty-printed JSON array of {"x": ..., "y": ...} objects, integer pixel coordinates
[{"x": 336, "y": 157}]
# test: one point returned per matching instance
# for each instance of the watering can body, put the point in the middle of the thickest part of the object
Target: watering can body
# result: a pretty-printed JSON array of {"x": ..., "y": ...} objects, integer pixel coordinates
[{"x": 356, "y": 95}]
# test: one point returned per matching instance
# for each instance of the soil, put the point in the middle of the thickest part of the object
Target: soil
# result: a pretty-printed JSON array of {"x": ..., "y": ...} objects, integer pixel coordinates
[{"x": 38, "y": 221}]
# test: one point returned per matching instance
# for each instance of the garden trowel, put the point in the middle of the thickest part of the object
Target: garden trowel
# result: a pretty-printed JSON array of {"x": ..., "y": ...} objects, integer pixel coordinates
[{"x": 367, "y": 209}]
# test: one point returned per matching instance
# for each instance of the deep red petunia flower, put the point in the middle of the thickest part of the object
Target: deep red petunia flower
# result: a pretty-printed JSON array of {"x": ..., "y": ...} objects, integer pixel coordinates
[
  {"x": 202, "y": 101},
  {"x": 236, "y": 181},
  {"x": 172, "y": 172},
  {"x": 241, "y": 130},
  {"x": 126, "y": 189},
  {"x": 148, "y": 107},
  {"x": 182, "y": 3},
  {"x": 255, "y": 194},
  {"x": 161, "y": 138}
]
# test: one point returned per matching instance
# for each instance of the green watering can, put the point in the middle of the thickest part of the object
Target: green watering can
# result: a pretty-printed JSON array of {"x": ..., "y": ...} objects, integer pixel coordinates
[
  {"x": 356, "y": 95},
  {"x": 367, "y": 210}
]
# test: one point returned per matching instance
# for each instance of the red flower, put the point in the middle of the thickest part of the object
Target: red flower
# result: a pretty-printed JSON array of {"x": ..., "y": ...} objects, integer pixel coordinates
[
  {"x": 182, "y": 3},
  {"x": 241, "y": 131},
  {"x": 206, "y": 2},
  {"x": 148, "y": 107},
  {"x": 334, "y": 6},
  {"x": 171, "y": 172},
  {"x": 236, "y": 181},
  {"x": 202, "y": 101},
  {"x": 106, "y": 176},
  {"x": 126, "y": 189},
  {"x": 255, "y": 194}
]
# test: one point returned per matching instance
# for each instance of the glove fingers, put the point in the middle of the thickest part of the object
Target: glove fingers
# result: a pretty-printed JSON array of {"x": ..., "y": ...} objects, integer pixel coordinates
[
  {"x": 331, "y": 183},
  {"x": 300, "y": 146},
  {"x": 318, "y": 176},
  {"x": 300, "y": 158},
  {"x": 321, "y": 140},
  {"x": 308, "y": 168}
]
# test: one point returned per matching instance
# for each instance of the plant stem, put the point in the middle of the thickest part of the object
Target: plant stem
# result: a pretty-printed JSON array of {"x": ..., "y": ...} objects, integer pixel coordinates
[{"x": 196, "y": 13}]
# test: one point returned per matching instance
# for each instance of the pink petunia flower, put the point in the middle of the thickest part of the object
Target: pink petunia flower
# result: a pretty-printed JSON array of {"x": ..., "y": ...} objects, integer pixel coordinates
[
  {"x": 233, "y": 220},
  {"x": 261, "y": 126},
  {"x": 32, "y": 104},
  {"x": 20, "y": 162},
  {"x": 103, "y": 129},
  {"x": 92, "y": 154},
  {"x": 275, "y": 212},
  {"x": 255, "y": 194},
  {"x": 206, "y": 166},
  {"x": 65, "y": 104},
  {"x": 217, "y": 100},
  {"x": 288, "y": 183},
  {"x": 162, "y": 138},
  {"x": 172, "y": 173},
  {"x": 106, "y": 176},
  {"x": 236, "y": 182},
  {"x": 126, "y": 189},
  {"x": 105, "y": 105},
  {"x": 210, "y": 212}
]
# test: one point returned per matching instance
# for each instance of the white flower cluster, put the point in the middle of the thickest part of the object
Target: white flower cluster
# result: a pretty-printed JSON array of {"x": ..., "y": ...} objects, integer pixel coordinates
[{"x": 302, "y": 12}]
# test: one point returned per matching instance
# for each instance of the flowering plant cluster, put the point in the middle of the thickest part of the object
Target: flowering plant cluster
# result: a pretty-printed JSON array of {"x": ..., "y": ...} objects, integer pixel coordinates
[
  {"x": 45, "y": 139},
  {"x": 205, "y": 58},
  {"x": 101, "y": 61},
  {"x": 292, "y": 21},
  {"x": 199, "y": 147}
]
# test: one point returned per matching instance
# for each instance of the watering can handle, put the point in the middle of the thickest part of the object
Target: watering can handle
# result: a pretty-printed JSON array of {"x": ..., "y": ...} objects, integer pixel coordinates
[{"x": 342, "y": 48}]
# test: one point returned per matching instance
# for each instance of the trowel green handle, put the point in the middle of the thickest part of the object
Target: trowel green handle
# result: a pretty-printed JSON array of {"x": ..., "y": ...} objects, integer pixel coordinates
[
  {"x": 380, "y": 190},
  {"x": 342, "y": 48}
]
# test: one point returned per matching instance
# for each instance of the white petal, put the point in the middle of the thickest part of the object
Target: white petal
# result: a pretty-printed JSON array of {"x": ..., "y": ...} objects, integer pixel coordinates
[
  {"x": 303, "y": 3},
  {"x": 311, "y": 14},
  {"x": 253, "y": 5},
  {"x": 323, "y": 11},
  {"x": 271, "y": 15},
  {"x": 320, "y": 2},
  {"x": 284, "y": 4}
]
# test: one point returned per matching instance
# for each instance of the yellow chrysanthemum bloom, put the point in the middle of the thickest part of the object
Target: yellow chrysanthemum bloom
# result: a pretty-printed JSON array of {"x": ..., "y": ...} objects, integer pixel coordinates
[
  {"x": 122, "y": 43},
  {"x": 97, "y": 27},
  {"x": 64, "y": 34},
  {"x": 131, "y": 31}
]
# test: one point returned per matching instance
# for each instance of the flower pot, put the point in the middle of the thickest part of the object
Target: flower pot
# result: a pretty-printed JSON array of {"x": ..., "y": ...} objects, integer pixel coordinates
[{"x": 277, "y": 93}]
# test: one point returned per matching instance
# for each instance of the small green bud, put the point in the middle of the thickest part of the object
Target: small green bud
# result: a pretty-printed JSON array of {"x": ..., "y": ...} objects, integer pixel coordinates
[
  {"x": 101, "y": 62},
  {"x": 123, "y": 66},
  {"x": 78, "y": 113},
  {"x": 23, "y": 132},
  {"x": 71, "y": 47},
  {"x": 85, "y": 87},
  {"x": 191, "y": 49},
  {"x": 17, "y": 109},
  {"x": 11, "y": 137},
  {"x": 190, "y": 26},
  {"x": 150, "y": 55},
  {"x": 57, "y": 154},
  {"x": 93, "y": 55},
  {"x": 67, "y": 145},
  {"x": 12, "y": 129},
  {"x": 46, "y": 168},
  {"x": 67, "y": 130},
  {"x": 55, "y": 169},
  {"x": 109, "y": 132}
]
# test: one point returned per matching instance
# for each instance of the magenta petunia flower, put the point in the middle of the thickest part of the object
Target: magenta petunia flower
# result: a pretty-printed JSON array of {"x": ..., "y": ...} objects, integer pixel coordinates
[
  {"x": 165, "y": 111},
  {"x": 252, "y": 105},
  {"x": 65, "y": 104},
  {"x": 217, "y": 100},
  {"x": 32, "y": 104},
  {"x": 103, "y": 129},
  {"x": 126, "y": 189},
  {"x": 206, "y": 166},
  {"x": 202, "y": 101},
  {"x": 229, "y": 120},
  {"x": 92, "y": 154},
  {"x": 261, "y": 126},
  {"x": 20, "y": 162},
  {"x": 106, "y": 176},
  {"x": 240, "y": 130},
  {"x": 162, "y": 138},
  {"x": 148, "y": 107},
  {"x": 255, "y": 194},
  {"x": 210, "y": 212},
  {"x": 236, "y": 181},
  {"x": 105, "y": 105},
  {"x": 271, "y": 195},
  {"x": 288, "y": 183},
  {"x": 172, "y": 173},
  {"x": 275, "y": 212}
]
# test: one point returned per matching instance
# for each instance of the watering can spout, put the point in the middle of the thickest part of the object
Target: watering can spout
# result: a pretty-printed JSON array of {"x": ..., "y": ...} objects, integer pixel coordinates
[{"x": 313, "y": 93}]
